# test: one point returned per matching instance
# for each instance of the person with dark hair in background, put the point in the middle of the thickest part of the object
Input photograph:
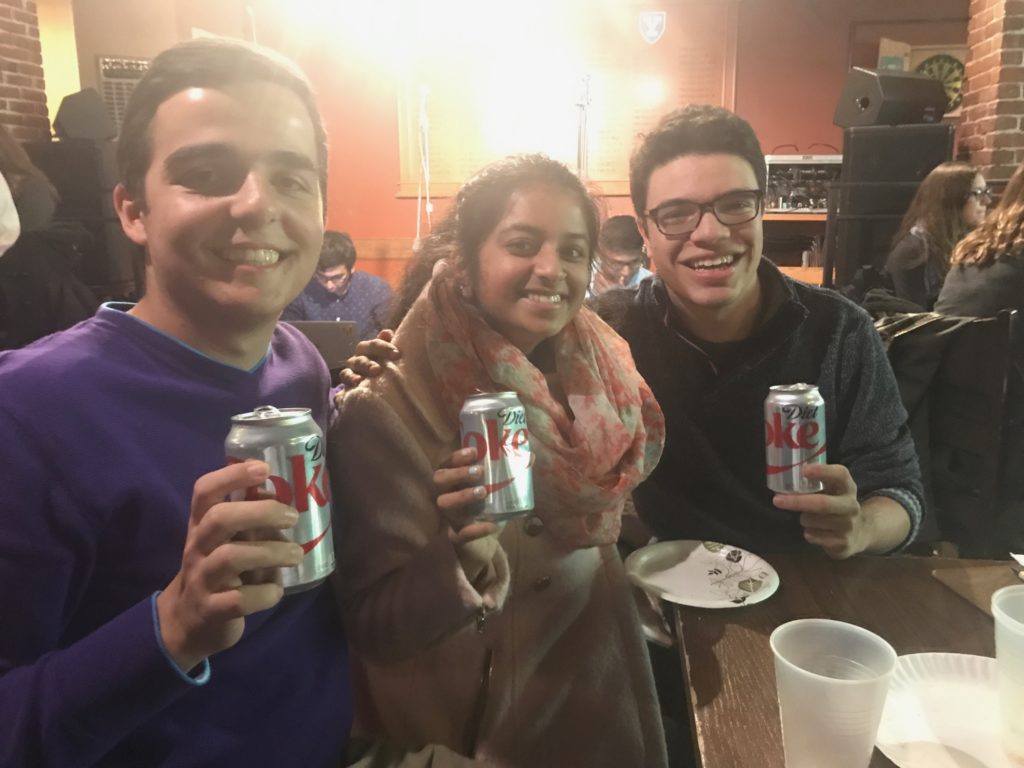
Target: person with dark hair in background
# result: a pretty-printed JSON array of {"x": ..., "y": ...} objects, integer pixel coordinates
[
  {"x": 986, "y": 274},
  {"x": 40, "y": 288},
  {"x": 148, "y": 626},
  {"x": 949, "y": 203},
  {"x": 519, "y": 644},
  {"x": 621, "y": 256},
  {"x": 338, "y": 292},
  {"x": 33, "y": 193}
]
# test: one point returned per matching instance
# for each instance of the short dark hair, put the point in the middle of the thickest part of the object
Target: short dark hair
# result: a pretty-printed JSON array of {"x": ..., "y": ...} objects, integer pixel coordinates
[
  {"x": 206, "y": 63},
  {"x": 478, "y": 207},
  {"x": 620, "y": 234},
  {"x": 698, "y": 129},
  {"x": 338, "y": 250}
]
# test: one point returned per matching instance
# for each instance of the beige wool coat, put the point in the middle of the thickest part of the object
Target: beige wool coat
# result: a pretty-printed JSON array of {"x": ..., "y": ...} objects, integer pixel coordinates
[{"x": 516, "y": 651}]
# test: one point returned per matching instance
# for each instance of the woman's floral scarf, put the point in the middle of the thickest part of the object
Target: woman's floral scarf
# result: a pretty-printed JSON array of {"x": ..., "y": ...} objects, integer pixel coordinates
[{"x": 585, "y": 465}]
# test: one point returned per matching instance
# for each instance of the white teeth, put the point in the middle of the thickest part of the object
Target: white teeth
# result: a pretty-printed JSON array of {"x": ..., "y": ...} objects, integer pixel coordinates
[
  {"x": 259, "y": 257},
  {"x": 550, "y": 298},
  {"x": 721, "y": 261}
]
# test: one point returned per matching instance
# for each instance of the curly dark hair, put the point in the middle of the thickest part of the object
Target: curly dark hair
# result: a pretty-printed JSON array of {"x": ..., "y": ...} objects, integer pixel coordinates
[
  {"x": 697, "y": 129},
  {"x": 478, "y": 207}
]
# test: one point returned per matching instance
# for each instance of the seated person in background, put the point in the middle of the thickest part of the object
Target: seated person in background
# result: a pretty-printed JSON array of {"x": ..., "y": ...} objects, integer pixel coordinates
[
  {"x": 987, "y": 270},
  {"x": 147, "y": 627},
  {"x": 620, "y": 256},
  {"x": 338, "y": 292},
  {"x": 34, "y": 195},
  {"x": 541, "y": 607},
  {"x": 949, "y": 203}
]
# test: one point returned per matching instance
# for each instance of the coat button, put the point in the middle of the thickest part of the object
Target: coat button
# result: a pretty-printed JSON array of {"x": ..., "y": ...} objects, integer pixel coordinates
[
  {"x": 542, "y": 583},
  {"x": 534, "y": 526}
]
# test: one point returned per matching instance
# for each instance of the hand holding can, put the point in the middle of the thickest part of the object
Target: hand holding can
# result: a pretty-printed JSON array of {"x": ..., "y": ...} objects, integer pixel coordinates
[
  {"x": 202, "y": 610},
  {"x": 794, "y": 437},
  {"x": 460, "y": 491},
  {"x": 494, "y": 425},
  {"x": 291, "y": 443}
]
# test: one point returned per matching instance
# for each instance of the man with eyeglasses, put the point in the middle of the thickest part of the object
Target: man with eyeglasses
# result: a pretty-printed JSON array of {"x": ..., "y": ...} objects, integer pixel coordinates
[
  {"x": 338, "y": 292},
  {"x": 717, "y": 326},
  {"x": 622, "y": 256}
]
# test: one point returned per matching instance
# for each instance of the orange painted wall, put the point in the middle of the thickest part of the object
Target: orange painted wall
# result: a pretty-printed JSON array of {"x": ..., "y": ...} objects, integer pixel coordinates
[
  {"x": 793, "y": 56},
  {"x": 792, "y": 59}
]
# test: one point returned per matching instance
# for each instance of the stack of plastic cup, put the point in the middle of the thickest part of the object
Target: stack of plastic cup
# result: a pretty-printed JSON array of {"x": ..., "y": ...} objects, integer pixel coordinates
[
  {"x": 832, "y": 680},
  {"x": 1008, "y": 611}
]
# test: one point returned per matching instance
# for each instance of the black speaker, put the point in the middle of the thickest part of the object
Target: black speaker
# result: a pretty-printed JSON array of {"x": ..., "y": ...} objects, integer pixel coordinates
[
  {"x": 884, "y": 97},
  {"x": 894, "y": 153},
  {"x": 83, "y": 115},
  {"x": 882, "y": 168}
]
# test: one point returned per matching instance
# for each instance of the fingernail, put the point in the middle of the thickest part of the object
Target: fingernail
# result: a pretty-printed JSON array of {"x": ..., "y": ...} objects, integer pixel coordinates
[
  {"x": 297, "y": 554},
  {"x": 479, "y": 491},
  {"x": 467, "y": 452},
  {"x": 258, "y": 470},
  {"x": 475, "y": 470},
  {"x": 291, "y": 517}
]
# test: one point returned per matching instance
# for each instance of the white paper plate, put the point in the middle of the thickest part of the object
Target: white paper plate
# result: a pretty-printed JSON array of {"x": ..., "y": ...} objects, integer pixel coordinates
[
  {"x": 702, "y": 574},
  {"x": 942, "y": 711}
]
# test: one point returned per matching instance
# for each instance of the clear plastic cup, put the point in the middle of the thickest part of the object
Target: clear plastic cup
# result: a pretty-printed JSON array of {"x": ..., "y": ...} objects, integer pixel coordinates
[
  {"x": 832, "y": 679},
  {"x": 1008, "y": 611}
]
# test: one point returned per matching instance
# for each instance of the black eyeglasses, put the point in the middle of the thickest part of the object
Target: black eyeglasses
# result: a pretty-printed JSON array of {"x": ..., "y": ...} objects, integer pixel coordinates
[
  {"x": 981, "y": 194},
  {"x": 680, "y": 217},
  {"x": 333, "y": 279}
]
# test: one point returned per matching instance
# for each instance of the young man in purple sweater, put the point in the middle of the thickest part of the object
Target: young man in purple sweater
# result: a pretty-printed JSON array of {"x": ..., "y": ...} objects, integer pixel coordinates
[{"x": 134, "y": 627}]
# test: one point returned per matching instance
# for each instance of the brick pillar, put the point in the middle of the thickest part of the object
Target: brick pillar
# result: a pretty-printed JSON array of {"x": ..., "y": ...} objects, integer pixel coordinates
[
  {"x": 990, "y": 129},
  {"x": 22, "y": 94}
]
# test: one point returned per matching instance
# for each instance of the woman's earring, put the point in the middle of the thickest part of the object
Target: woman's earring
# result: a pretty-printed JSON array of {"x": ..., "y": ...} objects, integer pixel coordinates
[{"x": 465, "y": 291}]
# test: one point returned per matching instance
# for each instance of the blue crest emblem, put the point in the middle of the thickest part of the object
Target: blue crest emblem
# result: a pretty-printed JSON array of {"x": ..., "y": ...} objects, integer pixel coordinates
[{"x": 652, "y": 26}]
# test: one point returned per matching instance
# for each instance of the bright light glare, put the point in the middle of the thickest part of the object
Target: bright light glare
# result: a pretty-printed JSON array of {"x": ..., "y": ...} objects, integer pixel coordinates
[{"x": 524, "y": 64}]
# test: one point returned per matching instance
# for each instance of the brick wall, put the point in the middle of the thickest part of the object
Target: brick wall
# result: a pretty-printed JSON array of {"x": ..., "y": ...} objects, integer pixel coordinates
[
  {"x": 993, "y": 97},
  {"x": 22, "y": 97}
]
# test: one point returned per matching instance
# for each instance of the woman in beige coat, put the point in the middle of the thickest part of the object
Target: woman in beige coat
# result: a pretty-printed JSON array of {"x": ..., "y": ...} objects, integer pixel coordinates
[{"x": 519, "y": 646}]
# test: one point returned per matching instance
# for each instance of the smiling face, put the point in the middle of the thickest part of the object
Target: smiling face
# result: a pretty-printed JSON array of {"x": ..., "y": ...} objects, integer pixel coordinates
[
  {"x": 233, "y": 220},
  {"x": 710, "y": 273},
  {"x": 534, "y": 267}
]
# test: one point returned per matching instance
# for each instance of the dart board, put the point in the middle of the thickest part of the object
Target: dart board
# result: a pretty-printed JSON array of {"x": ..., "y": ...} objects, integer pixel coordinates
[{"x": 949, "y": 71}]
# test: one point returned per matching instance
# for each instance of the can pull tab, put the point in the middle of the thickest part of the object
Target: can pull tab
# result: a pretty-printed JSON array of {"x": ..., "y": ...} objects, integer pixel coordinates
[{"x": 266, "y": 412}]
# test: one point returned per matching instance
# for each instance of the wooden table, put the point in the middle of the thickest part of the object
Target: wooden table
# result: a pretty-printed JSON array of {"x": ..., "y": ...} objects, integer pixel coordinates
[{"x": 729, "y": 666}]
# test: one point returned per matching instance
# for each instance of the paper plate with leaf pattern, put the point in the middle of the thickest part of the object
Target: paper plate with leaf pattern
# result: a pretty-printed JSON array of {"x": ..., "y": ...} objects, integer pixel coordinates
[{"x": 702, "y": 574}]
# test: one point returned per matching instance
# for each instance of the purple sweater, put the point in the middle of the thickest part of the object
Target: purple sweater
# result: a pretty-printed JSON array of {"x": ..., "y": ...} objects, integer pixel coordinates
[{"x": 105, "y": 428}]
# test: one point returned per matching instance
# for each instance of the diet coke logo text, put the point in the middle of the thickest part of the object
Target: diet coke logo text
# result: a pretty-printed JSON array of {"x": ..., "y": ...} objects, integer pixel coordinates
[
  {"x": 505, "y": 435},
  {"x": 297, "y": 491},
  {"x": 800, "y": 430}
]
